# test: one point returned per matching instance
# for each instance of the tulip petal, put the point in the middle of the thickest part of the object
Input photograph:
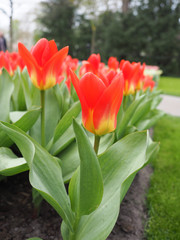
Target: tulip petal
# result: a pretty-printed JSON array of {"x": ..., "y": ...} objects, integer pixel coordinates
[
  {"x": 32, "y": 66},
  {"x": 85, "y": 109},
  {"x": 127, "y": 70},
  {"x": 53, "y": 48},
  {"x": 105, "y": 112},
  {"x": 52, "y": 68},
  {"x": 92, "y": 88},
  {"x": 41, "y": 51}
]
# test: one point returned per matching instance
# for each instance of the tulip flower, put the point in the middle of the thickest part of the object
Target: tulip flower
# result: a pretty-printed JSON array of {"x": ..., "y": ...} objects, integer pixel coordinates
[
  {"x": 113, "y": 63},
  {"x": 15, "y": 61},
  {"x": 148, "y": 83},
  {"x": 43, "y": 62},
  {"x": 100, "y": 101},
  {"x": 69, "y": 63},
  {"x": 133, "y": 73},
  {"x": 93, "y": 64},
  {"x": 5, "y": 63}
]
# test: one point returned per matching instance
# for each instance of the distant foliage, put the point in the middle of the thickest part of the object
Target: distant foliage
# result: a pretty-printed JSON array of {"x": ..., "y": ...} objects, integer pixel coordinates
[
  {"x": 147, "y": 32},
  {"x": 56, "y": 22}
]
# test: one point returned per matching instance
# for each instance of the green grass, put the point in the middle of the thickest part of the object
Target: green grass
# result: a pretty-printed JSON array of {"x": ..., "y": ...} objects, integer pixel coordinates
[
  {"x": 164, "y": 194},
  {"x": 169, "y": 85}
]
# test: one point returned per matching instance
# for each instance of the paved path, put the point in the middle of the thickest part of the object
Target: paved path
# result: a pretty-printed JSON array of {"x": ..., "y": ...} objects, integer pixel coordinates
[{"x": 170, "y": 105}]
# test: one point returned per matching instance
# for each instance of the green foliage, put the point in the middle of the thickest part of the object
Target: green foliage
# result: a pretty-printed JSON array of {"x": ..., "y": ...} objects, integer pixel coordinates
[
  {"x": 6, "y": 90},
  {"x": 97, "y": 184},
  {"x": 169, "y": 85},
  {"x": 148, "y": 33},
  {"x": 56, "y": 21},
  {"x": 82, "y": 38},
  {"x": 116, "y": 163},
  {"x": 163, "y": 196}
]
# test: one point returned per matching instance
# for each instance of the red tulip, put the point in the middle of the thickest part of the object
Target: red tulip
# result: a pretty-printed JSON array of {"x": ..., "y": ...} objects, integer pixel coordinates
[
  {"x": 43, "y": 62},
  {"x": 100, "y": 101},
  {"x": 5, "y": 62},
  {"x": 93, "y": 64},
  {"x": 148, "y": 83},
  {"x": 113, "y": 63},
  {"x": 15, "y": 60},
  {"x": 69, "y": 63},
  {"x": 133, "y": 73}
]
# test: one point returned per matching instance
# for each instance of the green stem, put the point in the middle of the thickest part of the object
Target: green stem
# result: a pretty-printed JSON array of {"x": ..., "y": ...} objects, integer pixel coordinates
[
  {"x": 96, "y": 143},
  {"x": 43, "y": 118},
  {"x": 72, "y": 235}
]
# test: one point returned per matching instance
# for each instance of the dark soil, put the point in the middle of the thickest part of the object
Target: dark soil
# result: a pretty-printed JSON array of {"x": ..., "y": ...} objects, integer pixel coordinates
[{"x": 18, "y": 223}]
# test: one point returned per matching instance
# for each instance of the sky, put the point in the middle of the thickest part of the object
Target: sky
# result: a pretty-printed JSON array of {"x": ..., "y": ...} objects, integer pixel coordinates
[{"x": 24, "y": 12}]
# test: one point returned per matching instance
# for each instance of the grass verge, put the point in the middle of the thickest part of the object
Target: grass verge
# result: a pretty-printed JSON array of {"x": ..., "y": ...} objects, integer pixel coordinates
[
  {"x": 164, "y": 194},
  {"x": 169, "y": 85}
]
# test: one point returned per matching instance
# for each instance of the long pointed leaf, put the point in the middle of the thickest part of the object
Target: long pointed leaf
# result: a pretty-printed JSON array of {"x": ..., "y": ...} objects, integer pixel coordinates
[{"x": 87, "y": 195}]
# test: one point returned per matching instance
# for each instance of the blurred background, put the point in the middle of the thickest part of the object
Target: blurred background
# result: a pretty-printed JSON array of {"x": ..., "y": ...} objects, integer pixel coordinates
[{"x": 137, "y": 30}]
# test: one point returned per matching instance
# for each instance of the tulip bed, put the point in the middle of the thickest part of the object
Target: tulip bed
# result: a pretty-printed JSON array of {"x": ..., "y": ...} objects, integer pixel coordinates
[{"x": 80, "y": 132}]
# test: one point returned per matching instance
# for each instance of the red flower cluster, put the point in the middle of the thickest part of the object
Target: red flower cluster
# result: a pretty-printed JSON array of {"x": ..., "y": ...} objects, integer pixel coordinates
[
  {"x": 11, "y": 61},
  {"x": 100, "y": 88},
  {"x": 134, "y": 78}
]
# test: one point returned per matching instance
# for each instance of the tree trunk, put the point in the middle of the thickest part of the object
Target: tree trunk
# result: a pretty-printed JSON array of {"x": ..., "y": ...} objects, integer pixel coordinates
[
  {"x": 11, "y": 27},
  {"x": 125, "y": 6},
  {"x": 93, "y": 37}
]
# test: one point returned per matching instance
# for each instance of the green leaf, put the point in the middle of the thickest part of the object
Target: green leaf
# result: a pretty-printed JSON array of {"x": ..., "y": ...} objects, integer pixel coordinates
[
  {"x": 150, "y": 119},
  {"x": 70, "y": 160},
  {"x": 66, "y": 120},
  {"x": 87, "y": 195},
  {"x": 27, "y": 87},
  {"x": 143, "y": 108},
  {"x": 64, "y": 133},
  {"x": 6, "y": 89},
  {"x": 45, "y": 172},
  {"x": 18, "y": 98},
  {"x": 69, "y": 153},
  {"x": 52, "y": 116},
  {"x": 10, "y": 164},
  {"x": 127, "y": 117},
  {"x": 151, "y": 153},
  {"x": 63, "y": 141},
  {"x": 23, "y": 120}
]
